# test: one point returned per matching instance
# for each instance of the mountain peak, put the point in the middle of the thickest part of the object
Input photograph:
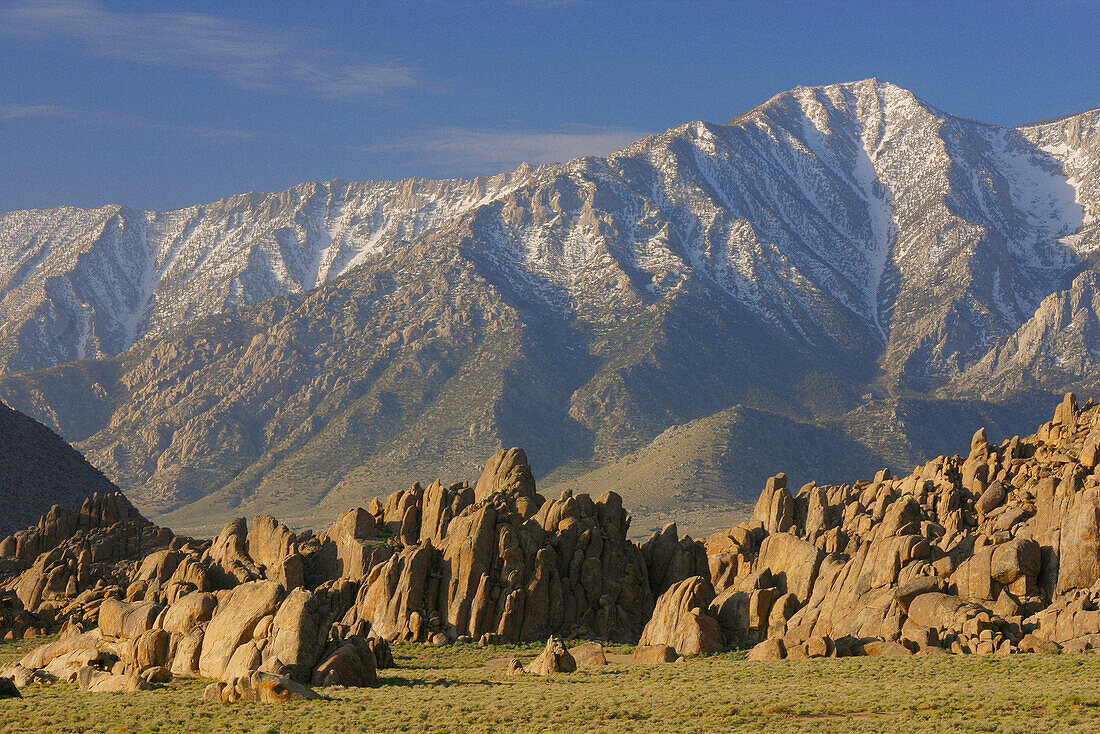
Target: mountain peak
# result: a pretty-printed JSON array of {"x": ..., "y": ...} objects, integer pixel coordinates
[{"x": 864, "y": 94}]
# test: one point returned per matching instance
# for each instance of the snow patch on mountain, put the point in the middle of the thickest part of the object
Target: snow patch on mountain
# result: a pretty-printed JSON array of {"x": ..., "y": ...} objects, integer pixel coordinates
[{"x": 851, "y": 217}]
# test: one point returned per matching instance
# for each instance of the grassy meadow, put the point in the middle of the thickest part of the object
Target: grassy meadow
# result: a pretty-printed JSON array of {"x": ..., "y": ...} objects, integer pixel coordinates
[{"x": 465, "y": 689}]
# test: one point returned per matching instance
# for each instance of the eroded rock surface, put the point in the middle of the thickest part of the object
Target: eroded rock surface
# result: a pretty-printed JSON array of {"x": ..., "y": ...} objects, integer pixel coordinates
[
  {"x": 970, "y": 553},
  {"x": 997, "y": 551},
  {"x": 554, "y": 658},
  {"x": 508, "y": 567},
  {"x": 495, "y": 563},
  {"x": 682, "y": 620}
]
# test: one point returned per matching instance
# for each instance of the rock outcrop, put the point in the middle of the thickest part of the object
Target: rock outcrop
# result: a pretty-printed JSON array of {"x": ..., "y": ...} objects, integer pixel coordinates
[
  {"x": 64, "y": 567},
  {"x": 588, "y": 655},
  {"x": 672, "y": 558},
  {"x": 654, "y": 654},
  {"x": 156, "y": 605},
  {"x": 259, "y": 687},
  {"x": 507, "y": 567},
  {"x": 494, "y": 563},
  {"x": 682, "y": 620},
  {"x": 969, "y": 553},
  {"x": 554, "y": 658},
  {"x": 997, "y": 551}
]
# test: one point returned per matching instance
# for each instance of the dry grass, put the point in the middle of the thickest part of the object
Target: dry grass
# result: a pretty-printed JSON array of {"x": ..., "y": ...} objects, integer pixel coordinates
[{"x": 451, "y": 690}]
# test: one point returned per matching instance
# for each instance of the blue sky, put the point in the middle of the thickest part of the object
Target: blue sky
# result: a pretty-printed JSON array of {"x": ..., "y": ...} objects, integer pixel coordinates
[{"x": 157, "y": 104}]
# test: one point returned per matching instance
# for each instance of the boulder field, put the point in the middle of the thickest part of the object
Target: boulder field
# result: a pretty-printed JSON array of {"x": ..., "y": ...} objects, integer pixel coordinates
[{"x": 997, "y": 551}]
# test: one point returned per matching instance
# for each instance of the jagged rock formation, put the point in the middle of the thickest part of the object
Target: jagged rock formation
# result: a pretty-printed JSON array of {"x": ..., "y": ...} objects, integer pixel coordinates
[
  {"x": 554, "y": 658},
  {"x": 508, "y": 566},
  {"x": 845, "y": 263},
  {"x": 995, "y": 551},
  {"x": 680, "y": 620},
  {"x": 73, "y": 555},
  {"x": 495, "y": 562},
  {"x": 672, "y": 558},
  {"x": 136, "y": 603},
  {"x": 39, "y": 470}
]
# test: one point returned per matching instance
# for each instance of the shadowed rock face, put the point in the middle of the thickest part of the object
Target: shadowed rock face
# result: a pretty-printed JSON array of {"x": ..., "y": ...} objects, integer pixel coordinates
[
  {"x": 39, "y": 470},
  {"x": 8, "y": 689}
]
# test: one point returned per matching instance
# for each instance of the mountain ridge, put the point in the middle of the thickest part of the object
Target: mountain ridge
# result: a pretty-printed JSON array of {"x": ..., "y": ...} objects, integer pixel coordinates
[
  {"x": 269, "y": 266},
  {"x": 821, "y": 257}
]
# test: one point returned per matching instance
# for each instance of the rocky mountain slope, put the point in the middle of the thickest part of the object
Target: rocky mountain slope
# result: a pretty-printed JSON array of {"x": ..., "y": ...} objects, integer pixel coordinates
[
  {"x": 844, "y": 258},
  {"x": 86, "y": 283},
  {"x": 38, "y": 470}
]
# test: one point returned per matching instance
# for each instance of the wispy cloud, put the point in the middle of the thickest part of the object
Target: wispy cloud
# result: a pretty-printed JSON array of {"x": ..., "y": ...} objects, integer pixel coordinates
[
  {"x": 246, "y": 55},
  {"x": 499, "y": 149},
  {"x": 32, "y": 111},
  {"x": 102, "y": 118}
]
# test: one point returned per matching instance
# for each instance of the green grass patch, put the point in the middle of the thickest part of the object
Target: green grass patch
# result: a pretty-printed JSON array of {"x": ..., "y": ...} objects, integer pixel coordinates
[{"x": 457, "y": 689}]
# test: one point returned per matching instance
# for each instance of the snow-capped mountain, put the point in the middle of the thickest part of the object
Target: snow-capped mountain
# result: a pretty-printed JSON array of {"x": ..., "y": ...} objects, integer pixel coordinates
[
  {"x": 88, "y": 283},
  {"x": 822, "y": 209},
  {"x": 818, "y": 258}
]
